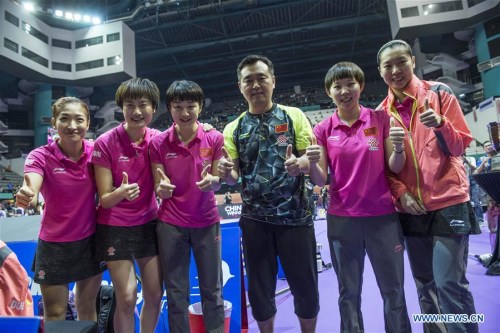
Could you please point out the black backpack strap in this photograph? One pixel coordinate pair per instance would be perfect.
(236, 135)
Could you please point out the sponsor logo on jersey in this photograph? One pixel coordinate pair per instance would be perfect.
(58, 170)
(334, 138)
(123, 159)
(373, 144)
(171, 155)
(282, 140)
(96, 153)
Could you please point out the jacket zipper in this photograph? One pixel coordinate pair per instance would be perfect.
(395, 113)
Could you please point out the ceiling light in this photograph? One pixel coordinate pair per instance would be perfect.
(68, 16)
(77, 17)
(29, 6)
(96, 20)
(58, 13)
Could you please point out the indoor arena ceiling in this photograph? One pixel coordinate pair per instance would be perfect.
(204, 40)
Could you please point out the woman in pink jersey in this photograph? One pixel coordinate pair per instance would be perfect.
(184, 162)
(126, 230)
(61, 171)
(357, 145)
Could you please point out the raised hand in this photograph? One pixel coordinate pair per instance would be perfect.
(207, 180)
(207, 127)
(313, 152)
(25, 194)
(292, 165)
(429, 117)
(129, 191)
(397, 136)
(226, 164)
(412, 205)
(164, 189)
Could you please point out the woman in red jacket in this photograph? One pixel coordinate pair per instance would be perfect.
(431, 191)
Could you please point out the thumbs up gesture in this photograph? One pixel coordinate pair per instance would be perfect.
(292, 165)
(25, 194)
(164, 189)
(129, 191)
(225, 165)
(313, 152)
(208, 181)
(429, 117)
(397, 136)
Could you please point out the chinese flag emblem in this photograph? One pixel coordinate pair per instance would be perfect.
(206, 152)
(281, 128)
(370, 131)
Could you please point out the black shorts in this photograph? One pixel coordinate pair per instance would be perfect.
(296, 248)
(58, 263)
(457, 219)
(126, 243)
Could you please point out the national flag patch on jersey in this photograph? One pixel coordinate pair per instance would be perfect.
(206, 152)
(281, 128)
(370, 131)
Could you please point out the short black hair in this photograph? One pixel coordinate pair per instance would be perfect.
(252, 59)
(344, 70)
(184, 90)
(137, 88)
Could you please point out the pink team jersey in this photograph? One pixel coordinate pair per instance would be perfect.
(115, 151)
(356, 159)
(188, 207)
(69, 192)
